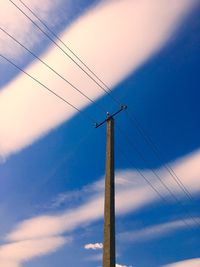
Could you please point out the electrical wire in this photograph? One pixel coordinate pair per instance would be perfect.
(55, 43)
(68, 48)
(64, 100)
(154, 172)
(48, 89)
(107, 90)
(157, 154)
(53, 70)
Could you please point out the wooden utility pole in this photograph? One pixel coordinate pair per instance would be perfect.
(109, 206)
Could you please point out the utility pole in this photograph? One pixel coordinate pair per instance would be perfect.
(109, 202)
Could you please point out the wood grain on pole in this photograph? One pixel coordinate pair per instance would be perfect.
(109, 206)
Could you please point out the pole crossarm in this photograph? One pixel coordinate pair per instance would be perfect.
(109, 116)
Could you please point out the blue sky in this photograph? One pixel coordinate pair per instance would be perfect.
(53, 159)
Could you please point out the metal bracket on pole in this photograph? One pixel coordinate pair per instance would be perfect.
(109, 116)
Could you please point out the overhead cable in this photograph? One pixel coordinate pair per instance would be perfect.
(107, 90)
(48, 89)
(52, 69)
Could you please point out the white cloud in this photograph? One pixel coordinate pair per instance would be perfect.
(44, 227)
(25, 250)
(19, 26)
(139, 29)
(16, 253)
(88, 212)
(186, 263)
(94, 246)
(187, 170)
(158, 231)
(8, 263)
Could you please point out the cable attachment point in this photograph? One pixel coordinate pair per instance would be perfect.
(107, 115)
(110, 116)
(124, 107)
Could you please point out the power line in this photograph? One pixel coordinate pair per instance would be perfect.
(48, 89)
(53, 70)
(129, 141)
(107, 90)
(148, 140)
(68, 48)
(74, 61)
(144, 177)
(64, 100)
(157, 191)
(127, 138)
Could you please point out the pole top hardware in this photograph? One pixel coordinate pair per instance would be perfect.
(110, 116)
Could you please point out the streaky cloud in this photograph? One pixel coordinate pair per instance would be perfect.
(158, 231)
(130, 33)
(186, 263)
(43, 226)
(16, 253)
(16, 24)
(55, 225)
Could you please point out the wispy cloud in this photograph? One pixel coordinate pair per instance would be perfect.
(158, 231)
(43, 226)
(143, 27)
(19, 26)
(16, 253)
(186, 263)
(53, 226)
